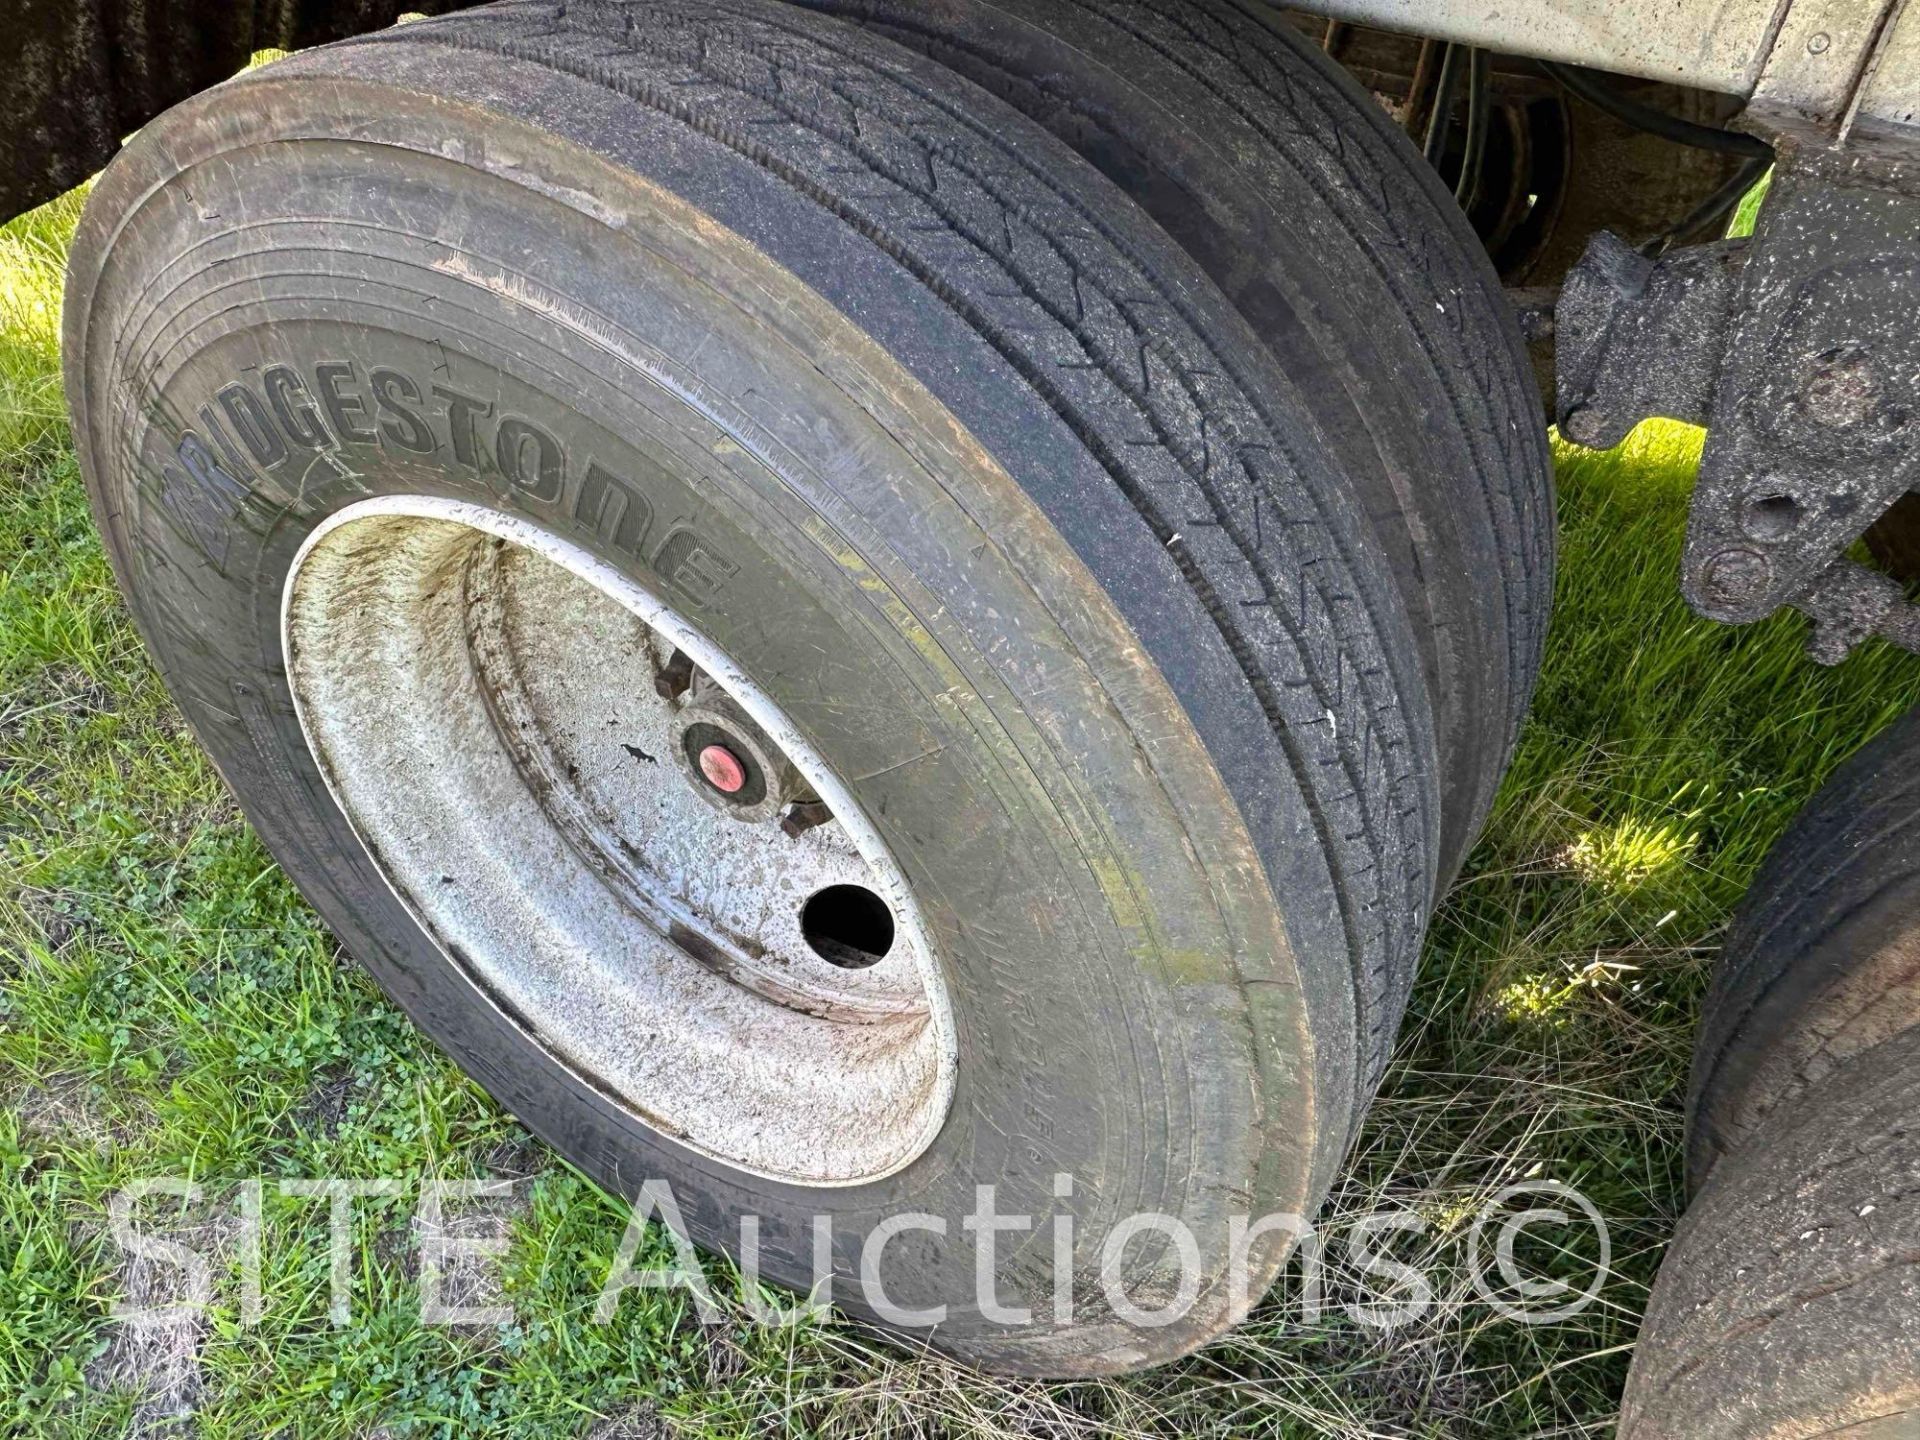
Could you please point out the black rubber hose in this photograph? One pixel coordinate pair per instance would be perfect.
(1443, 91)
(1713, 208)
(1597, 93)
(1479, 109)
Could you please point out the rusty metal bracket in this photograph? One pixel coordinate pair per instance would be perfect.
(1639, 337)
(1800, 353)
(1814, 427)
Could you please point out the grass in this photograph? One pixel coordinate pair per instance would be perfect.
(168, 1006)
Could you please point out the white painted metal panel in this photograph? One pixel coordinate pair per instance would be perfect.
(1713, 44)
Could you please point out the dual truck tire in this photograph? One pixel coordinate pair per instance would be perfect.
(1061, 482)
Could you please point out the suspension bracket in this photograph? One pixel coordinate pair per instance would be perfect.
(1799, 352)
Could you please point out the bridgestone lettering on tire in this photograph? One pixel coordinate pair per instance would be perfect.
(795, 630)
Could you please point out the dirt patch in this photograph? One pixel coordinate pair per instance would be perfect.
(461, 1251)
(640, 1423)
(65, 689)
(325, 1105)
(155, 1351)
(67, 1111)
(518, 1158)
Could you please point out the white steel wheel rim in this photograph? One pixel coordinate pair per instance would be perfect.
(479, 696)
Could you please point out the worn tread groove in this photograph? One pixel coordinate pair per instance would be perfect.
(1245, 82)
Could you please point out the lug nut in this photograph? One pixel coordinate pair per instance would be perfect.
(723, 769)
(802, 816)
(674, 680)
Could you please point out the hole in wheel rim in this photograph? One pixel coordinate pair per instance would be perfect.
(848, 926)
(475, 694)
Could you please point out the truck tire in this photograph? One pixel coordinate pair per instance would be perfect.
(1789, 1302)
(792, 629)
(1305, 204)
(1823, 957)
